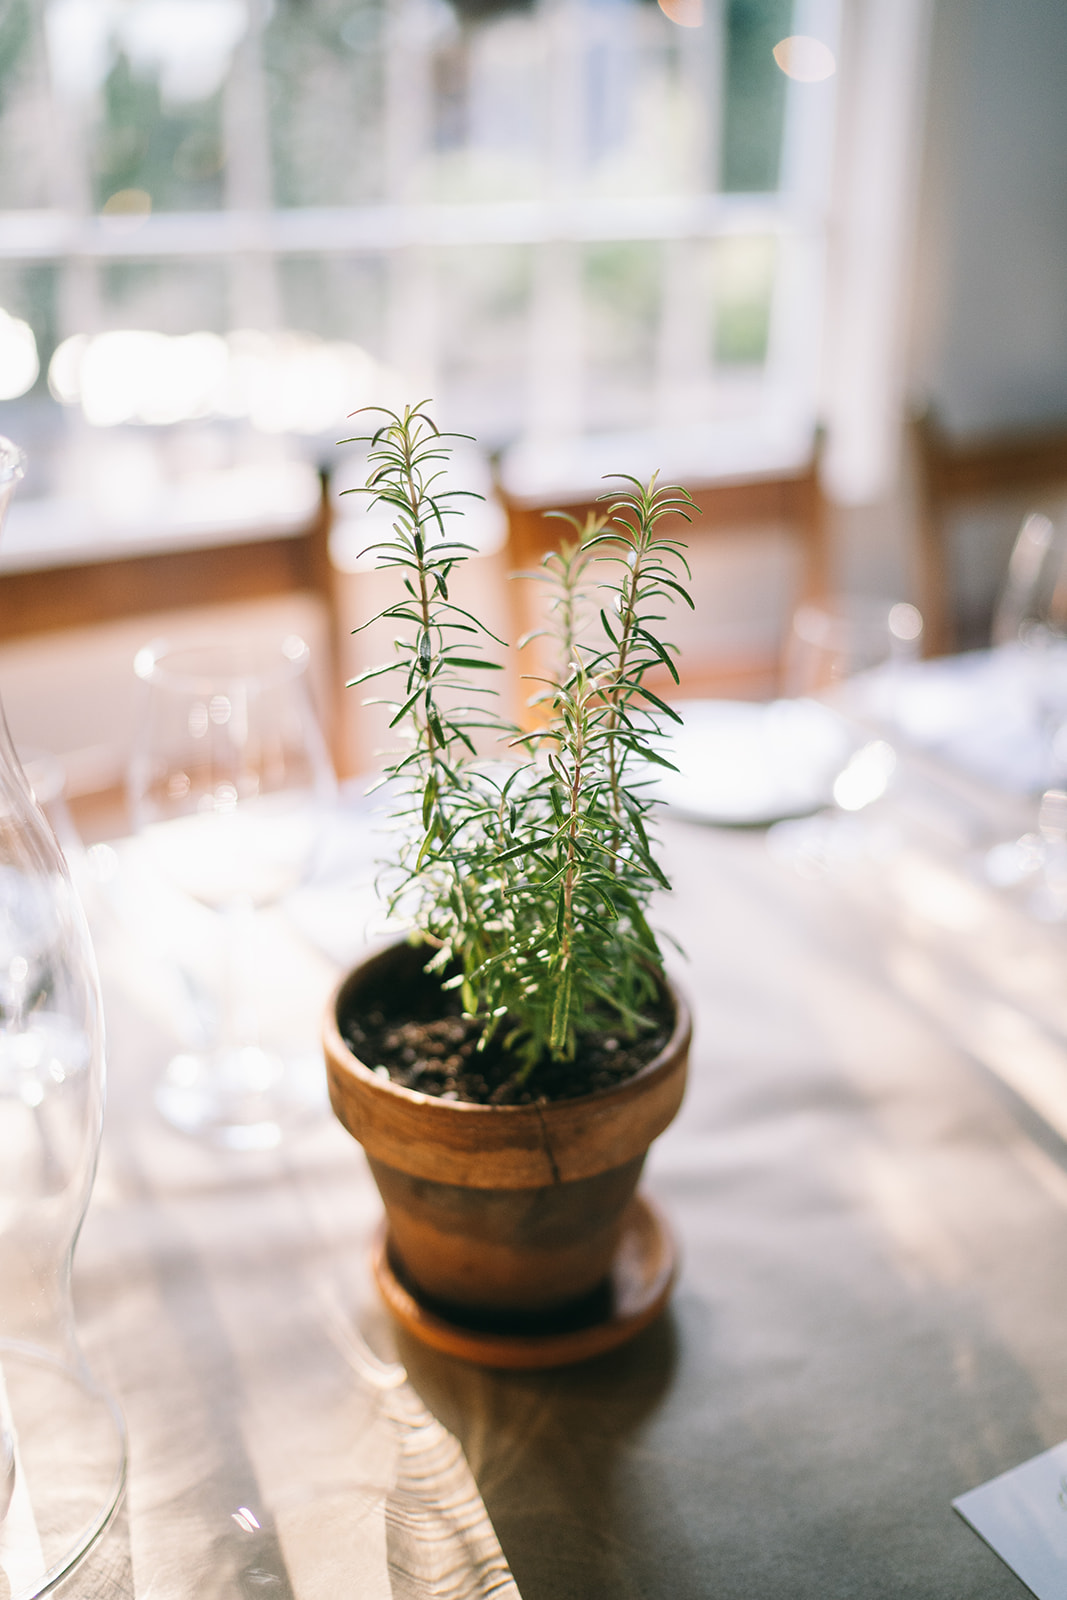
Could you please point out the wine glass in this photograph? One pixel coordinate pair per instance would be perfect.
(1033, 602)
(830, 645)
(227, 787)
(849, 653)
(1030, 634)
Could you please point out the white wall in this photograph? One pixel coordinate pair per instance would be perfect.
(990, 325)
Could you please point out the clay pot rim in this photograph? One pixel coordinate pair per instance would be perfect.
(666, 1059)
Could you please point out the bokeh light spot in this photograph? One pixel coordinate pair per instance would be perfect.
(19, 365)
(686, 13)
(805, 59)
(127, 203)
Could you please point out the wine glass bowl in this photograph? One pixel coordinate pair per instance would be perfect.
(227, 781)
(228, 768)
(1032, 605)
(848, 653)
(833, 643)
(1030, 633)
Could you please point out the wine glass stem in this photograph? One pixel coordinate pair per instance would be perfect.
(240, 1014)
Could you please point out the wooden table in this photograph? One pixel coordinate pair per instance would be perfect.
(869, 1184)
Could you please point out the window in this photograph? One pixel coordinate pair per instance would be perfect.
(561, 219)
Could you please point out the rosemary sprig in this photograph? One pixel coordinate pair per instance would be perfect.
(529, 875)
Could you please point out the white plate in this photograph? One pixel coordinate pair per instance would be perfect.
(744, 764)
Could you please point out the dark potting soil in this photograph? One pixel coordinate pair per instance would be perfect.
(417, 1033)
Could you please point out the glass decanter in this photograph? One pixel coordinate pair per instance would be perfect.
(62, 1438)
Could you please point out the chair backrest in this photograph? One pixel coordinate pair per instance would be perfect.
(785, 501)
(150, 576)
(961, 474)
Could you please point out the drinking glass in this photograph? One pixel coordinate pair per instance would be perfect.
(1032, 605)
(830, 645)
(62, 1438)
(1030, 629)
(848, 653)
(227, 787)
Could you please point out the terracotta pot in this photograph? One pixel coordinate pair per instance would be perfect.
(500, 1210)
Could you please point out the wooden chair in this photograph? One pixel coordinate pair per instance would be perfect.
(1028, 469)
(73, 595)
(787, 499)
(228, 568)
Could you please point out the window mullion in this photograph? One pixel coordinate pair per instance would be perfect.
(792, 362)
(255, 300)
(686, 335)
(412, 322)
(78, 308)
(556, 370)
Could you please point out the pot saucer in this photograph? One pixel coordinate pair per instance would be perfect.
(639, 1285)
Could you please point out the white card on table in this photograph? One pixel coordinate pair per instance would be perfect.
(1023, 1516)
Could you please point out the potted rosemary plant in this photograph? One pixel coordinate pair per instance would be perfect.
(508, 1066)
